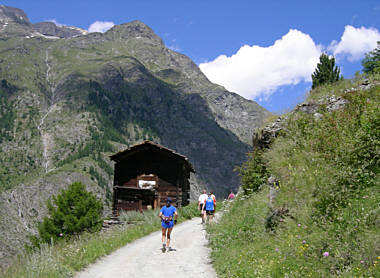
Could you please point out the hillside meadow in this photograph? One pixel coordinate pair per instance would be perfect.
(325, 218)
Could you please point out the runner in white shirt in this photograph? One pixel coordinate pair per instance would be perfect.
(201, 203)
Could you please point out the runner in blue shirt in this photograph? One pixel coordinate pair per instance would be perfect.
(167, 214)
(210, 207)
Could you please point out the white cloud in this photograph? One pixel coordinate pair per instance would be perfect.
(100, 26)
(355, 42)
(256, 72)
(174, 45)
(56, 22)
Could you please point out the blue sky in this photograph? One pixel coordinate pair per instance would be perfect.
(263, 50)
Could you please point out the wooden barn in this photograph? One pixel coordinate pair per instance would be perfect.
(146, 174)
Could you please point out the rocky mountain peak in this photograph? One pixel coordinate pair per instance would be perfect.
(134, 29)
(51, 29)
(14, 15)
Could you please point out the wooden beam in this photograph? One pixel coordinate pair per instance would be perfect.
(177, 187)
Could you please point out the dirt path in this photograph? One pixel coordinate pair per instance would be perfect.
(144, 258)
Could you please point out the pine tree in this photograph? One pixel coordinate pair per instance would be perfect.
(326, 71)
(371, 62)
(74, 210)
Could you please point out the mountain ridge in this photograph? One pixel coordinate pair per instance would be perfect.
(66, 104)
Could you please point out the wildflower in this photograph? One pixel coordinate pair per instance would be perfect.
(362, 262)
(277, 249)
(299, 225)
(325, 254)
(61, 235)
(304, 242)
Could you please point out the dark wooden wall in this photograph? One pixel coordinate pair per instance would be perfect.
(147, 163)
(171, 173)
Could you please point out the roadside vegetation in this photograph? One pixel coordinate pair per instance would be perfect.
(325, 218)
(65, 257)
(72, 212)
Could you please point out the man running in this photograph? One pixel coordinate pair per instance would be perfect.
(210, 207)
(201, 202)
(167, 214)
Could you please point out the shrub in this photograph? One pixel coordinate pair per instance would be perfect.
(73, 211)
(253, 172)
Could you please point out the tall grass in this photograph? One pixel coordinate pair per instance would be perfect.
(325, 220)
(64, 258)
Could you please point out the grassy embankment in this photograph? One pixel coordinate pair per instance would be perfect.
(325, 219)
(64, 258)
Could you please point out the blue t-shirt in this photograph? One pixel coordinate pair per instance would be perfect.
(168, 211)
(210, 203)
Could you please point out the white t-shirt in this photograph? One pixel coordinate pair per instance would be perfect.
(202, 199)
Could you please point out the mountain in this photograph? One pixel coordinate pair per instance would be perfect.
(50, 29)
(16, 23)
(69, 99)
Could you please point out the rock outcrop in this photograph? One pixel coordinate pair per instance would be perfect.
(10, 14)
(50, 29)
(264, 137)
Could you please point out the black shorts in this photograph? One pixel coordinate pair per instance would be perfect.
(210, 212)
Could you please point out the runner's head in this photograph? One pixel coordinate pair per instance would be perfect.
(204, 191)
(168, 201)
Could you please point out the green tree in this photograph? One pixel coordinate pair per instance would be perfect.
(326, 71)
(371, 62)
(73, 211)
(253, 172)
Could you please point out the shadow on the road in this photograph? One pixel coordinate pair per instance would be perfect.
(164, 250)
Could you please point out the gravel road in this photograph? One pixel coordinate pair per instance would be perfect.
(144, 257)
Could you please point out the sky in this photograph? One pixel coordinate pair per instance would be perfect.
(265, 51)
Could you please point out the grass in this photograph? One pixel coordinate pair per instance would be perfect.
(325, 219)
(65, 258)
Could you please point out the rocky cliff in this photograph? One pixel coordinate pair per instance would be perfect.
(69, 99)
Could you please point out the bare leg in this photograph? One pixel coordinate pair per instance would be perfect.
(168, 237)
(163, 239)
(202, 216)
(211, 217)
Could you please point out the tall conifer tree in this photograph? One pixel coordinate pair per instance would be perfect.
(371, 62)
(326, 71)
